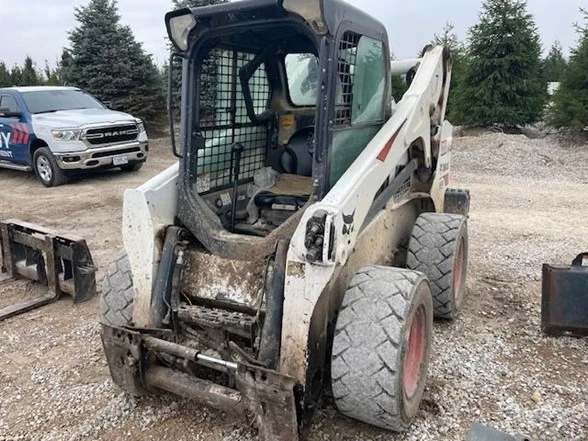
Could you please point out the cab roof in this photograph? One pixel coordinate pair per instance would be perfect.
(335, 12)
(38, 88)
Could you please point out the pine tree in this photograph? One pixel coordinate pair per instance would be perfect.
(179, 4)
(65, 66)
(503, 84)
(52, 75)
(554, 64)
(106, 60)
(570, 102)
(29, 73)
(459, 59)
(5, 79)
(16, 76)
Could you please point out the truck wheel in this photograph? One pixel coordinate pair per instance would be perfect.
(116, 302)
(438, 247)
(132, 167)
(381, 347)
(46, 168)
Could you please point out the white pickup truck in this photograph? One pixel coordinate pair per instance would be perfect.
(59, 131)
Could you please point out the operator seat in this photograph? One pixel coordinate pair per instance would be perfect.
(297, 156)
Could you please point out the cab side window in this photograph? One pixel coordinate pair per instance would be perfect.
(359, 105)
(8, 104)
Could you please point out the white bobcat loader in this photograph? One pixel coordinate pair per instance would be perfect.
(307, 236)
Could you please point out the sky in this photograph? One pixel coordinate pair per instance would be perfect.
(39, 28)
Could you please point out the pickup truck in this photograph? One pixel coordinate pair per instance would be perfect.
(60, 131)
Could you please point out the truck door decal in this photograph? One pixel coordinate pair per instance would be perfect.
(20, 133)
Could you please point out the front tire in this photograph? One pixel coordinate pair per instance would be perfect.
(46, 168)
(116, 301)
(381, 347)
(438, 248)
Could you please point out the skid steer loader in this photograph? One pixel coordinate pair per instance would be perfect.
(306, 237)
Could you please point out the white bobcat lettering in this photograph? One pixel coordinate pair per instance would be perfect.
(5, 139)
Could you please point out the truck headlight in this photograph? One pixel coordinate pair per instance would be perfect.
(66, 135)
(179, 25)
(141, 127)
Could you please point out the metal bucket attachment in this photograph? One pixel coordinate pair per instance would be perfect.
(479, 432)
(62, 263)
(564, 305)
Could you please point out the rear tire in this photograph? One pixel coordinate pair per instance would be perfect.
(438, 248)
(116, 302)
(46, 168)
(381, 347)
(132, 167)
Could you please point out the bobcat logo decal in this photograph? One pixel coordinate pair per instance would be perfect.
(348, 220)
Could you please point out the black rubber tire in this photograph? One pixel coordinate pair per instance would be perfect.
(57, 176)
(370, 344)
(135, 166)
(433, 250)
(116, 302)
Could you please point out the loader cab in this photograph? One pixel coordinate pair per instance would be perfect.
(277, 103)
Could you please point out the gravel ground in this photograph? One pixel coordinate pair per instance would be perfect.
(493, 366)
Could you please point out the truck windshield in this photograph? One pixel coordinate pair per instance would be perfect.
(45, 101)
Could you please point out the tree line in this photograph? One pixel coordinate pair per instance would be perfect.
(500, 79)
(499, 76)
(104, 58)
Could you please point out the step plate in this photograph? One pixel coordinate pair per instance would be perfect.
(236, 323)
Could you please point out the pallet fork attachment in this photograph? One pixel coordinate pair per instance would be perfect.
(62, 263)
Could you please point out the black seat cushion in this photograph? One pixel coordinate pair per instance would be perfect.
(297, 156)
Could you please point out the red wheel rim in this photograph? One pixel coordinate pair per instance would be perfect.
(415, 352)
(458, 273)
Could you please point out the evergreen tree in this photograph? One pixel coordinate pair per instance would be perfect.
(459, 59)
(179, 4)
(5, 79)
(29, 73)
(554, 64)
(502, 83)
(16, 76)
(52, 75)
(399, 86)
(570, 102)
(65, 66)
(106, 60)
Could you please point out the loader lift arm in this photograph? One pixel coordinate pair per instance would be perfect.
(347, 205)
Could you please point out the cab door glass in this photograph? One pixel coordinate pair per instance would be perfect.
(369, 82)
(359, 104)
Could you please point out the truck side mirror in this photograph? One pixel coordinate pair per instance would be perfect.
(9, 114)
(107, 104)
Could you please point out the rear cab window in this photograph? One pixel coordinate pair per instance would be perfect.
(302, 72)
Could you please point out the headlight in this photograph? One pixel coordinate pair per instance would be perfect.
(310, 10)
(141, 127)
(179, 25)
(66, 135)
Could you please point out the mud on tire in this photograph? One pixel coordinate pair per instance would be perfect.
(438, 248)
(116, 302)
(379, 362)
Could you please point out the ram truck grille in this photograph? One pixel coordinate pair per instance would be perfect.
(112, 135)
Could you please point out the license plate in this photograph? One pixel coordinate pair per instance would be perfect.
(120, 160)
